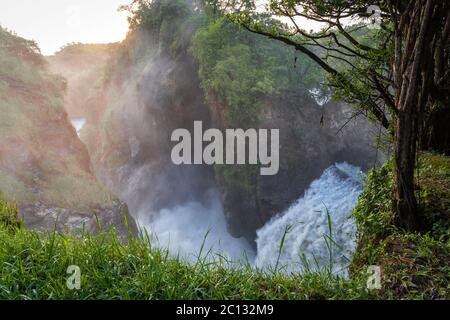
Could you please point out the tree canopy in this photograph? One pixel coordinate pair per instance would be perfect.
(396, 69)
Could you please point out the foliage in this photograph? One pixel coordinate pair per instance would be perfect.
(27, 50)
(353, 56)
(373, 211)
(169, 24)
(21, 62)
(241, 70)
(414, 265)
(9, 216)
(433, 176)
(393, 79)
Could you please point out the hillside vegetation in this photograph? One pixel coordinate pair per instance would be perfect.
(413, 265)
(44, 166)
(82, 66)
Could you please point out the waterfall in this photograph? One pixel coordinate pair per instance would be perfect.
(182, 228)
(305, 225)
(78, 124)
(188, 228)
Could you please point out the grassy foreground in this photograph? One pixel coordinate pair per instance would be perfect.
(33, 264)
(413, 265)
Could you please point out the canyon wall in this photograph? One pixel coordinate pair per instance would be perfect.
(157, 80)
(44, 166)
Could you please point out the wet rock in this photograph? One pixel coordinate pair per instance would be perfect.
(102, 218)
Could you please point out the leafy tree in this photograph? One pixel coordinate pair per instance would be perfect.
(398, 75)
(21, 48)
(240, 70)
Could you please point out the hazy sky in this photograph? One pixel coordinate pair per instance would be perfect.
(53, 23)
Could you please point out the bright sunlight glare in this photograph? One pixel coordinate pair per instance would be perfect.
(53, 23)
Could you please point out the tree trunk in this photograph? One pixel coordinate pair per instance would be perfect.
(436, 134)
(422, 88)
(413, 37)
(404, 200)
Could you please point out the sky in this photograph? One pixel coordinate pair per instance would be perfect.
(53, 23)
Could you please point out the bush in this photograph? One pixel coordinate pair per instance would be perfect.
(413, 265)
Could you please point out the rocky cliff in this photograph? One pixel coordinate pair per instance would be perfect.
(173, 71)
(312, 138)
(44, 166)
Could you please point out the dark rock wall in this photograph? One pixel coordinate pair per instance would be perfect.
(156, 91)
(312, 138)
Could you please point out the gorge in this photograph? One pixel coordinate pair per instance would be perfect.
(156, 82)
(126, 99)
(224, 150)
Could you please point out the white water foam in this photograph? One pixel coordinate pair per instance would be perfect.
(182, 228)
(336, 190)
(78, 124)
(185, 228)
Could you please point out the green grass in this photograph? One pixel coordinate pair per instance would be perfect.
(9, 217)
(34, 266)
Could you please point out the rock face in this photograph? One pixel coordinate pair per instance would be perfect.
(153, 96)
(43, 164)
(151, 91)
(100, 218)
(312, 138)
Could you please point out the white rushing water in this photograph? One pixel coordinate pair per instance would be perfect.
(185, 228)
(182, 228)
(308, 229)
(78, 124)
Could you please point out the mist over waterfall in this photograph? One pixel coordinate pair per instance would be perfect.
(186, 209)
(199, 225)
(159, 80)
(305, 225)
(194, 229)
